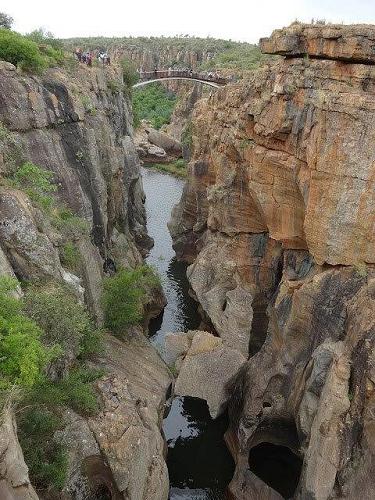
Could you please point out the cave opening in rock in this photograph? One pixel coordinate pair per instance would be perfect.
(259, 325)
(102, 492)
(277, 466)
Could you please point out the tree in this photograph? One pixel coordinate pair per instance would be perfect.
(6, 21)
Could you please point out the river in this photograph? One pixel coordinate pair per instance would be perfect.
(200, 466)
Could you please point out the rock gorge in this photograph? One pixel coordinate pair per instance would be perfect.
(77, 124)
(277, 220)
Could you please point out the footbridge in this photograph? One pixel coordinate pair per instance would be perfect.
(211, 79)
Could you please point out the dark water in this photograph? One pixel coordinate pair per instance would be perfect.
(199, 464)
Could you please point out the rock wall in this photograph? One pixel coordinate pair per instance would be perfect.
(277, 220)
(77, 124)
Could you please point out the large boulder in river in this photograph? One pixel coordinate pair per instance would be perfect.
(164, 141)
(206, 369)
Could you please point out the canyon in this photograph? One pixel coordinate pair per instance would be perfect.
(277, 225)
(277, 221)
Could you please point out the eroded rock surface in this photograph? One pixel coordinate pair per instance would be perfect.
(14, 477)
(75, 125)
(205, 368)
(277, 220)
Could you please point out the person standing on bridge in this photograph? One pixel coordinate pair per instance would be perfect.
(156, 71)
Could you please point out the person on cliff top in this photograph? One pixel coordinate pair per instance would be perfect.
(78, 54)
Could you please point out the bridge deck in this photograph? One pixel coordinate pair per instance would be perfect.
(205, 78)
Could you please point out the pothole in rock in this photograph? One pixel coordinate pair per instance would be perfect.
(277, 466)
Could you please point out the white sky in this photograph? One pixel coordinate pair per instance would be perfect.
(245, 20)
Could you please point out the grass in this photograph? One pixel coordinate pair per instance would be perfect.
(47, 460)
(176, 168)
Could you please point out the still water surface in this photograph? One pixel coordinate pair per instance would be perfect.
(199, 464)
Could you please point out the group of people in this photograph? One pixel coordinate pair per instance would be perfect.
(88, 56)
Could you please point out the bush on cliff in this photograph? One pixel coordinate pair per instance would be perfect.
(47, 460)
(36, 182)
(32, 53)
(20, 51)
(129, 73)
(124, 295)
(63, 320)
(22, 353)
(154, 104)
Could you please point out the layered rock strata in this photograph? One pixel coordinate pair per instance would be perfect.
(77, 125)
(277, 219)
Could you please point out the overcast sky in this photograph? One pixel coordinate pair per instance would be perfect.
(245, 20)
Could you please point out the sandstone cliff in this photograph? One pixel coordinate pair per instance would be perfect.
(277, 219)
(77, 125)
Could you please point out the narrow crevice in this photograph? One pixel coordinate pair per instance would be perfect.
(259, 325)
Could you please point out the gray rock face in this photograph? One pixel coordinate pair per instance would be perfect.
(14, 477)
(162, 140)
(127, 429)
(81, 131)
(206, 368)
(121, 448)
(77, 128)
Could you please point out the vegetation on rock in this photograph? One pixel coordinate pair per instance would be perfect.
(22, 353)
(177, 167)
(47, 460)
(36, 332)
(63, 320)
(153, 103)
(124, 295)
(129, 73)
(24, 52)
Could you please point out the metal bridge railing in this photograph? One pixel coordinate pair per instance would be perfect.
(173, 73)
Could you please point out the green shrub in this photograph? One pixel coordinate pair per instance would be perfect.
(43, 38)
(187, 134)
(21, 51)
(154, 104)
(242, 56)
(114, 86)
(129, 73)
(47, 460)
(74, 391)
(88, 105)
(23, 356)
(124, 295)
(64, 321)
(37, 183)
(176, 168)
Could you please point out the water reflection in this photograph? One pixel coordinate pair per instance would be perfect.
(198, 459)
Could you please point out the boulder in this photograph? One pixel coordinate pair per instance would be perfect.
(164, 141)
(207, 368)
